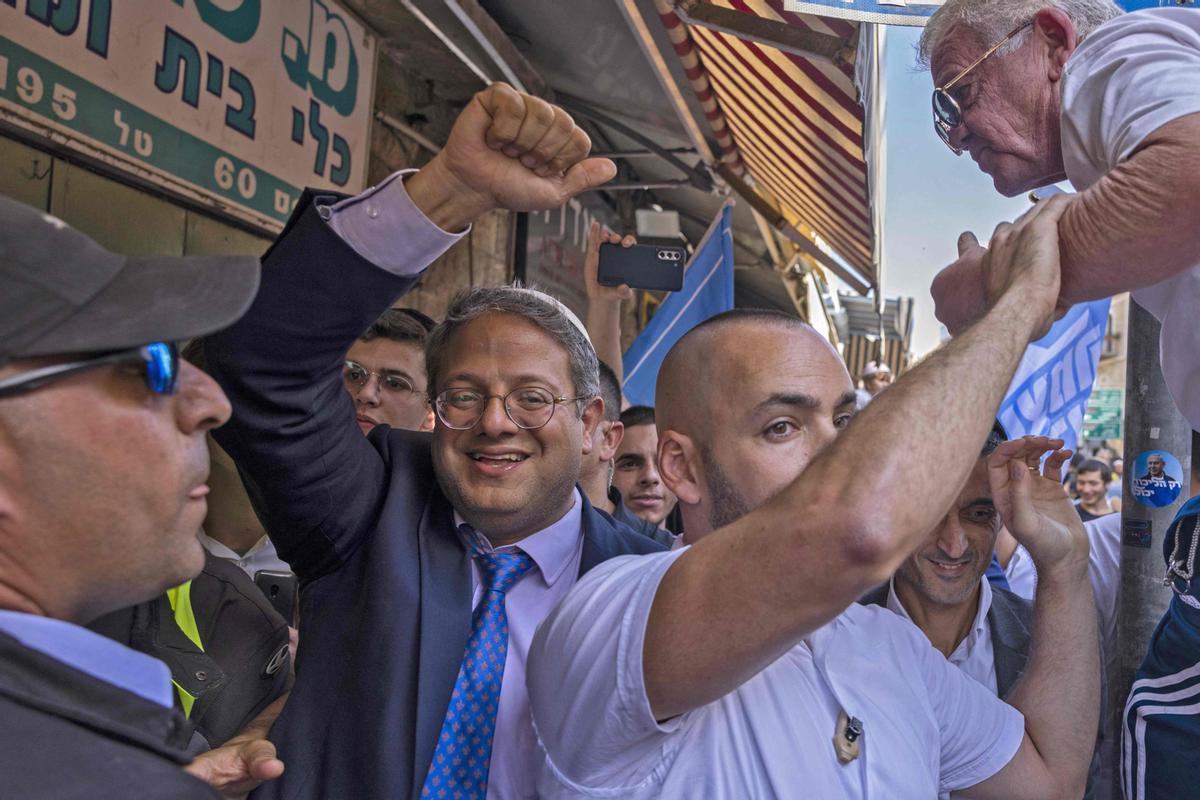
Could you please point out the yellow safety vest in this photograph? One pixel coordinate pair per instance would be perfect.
(181, 604)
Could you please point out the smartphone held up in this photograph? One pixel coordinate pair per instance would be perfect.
(643, 266)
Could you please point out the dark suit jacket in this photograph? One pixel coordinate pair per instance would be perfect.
(1010, 620)
(385, 602)
(66, 735)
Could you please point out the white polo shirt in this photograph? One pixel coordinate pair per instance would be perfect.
(974, 654)
(1127, 79)
(928, 727)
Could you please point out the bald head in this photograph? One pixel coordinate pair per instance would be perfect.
(707, 365)
(744, 402)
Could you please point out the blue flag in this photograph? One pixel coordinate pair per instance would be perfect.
(707, 291)
(1049, 392)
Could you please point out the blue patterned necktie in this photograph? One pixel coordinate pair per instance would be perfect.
(464, 749)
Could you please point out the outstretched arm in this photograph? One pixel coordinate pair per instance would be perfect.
(740, 598)
(316, 482)
(1133, 228)
(237, 767)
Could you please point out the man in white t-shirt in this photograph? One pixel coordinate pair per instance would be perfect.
(1109, 102)
(739, 666)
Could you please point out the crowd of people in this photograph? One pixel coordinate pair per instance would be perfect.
(335, 548)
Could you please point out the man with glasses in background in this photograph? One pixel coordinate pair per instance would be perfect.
(1039, 93)
(385, 372)
(426, 562)
(103, 470)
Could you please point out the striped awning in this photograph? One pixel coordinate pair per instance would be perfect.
(795, 123)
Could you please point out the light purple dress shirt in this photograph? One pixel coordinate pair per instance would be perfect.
(92, 654)
(556, 551)
(382, 223)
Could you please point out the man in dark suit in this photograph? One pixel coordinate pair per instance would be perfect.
(426, 562)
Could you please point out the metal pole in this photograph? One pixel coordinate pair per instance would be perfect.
(1152, 422)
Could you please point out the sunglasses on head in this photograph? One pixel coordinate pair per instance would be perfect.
(160, 362)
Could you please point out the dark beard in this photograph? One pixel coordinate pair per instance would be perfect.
(727, 505)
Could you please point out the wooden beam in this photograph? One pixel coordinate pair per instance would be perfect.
(808, 44)
(484, 29)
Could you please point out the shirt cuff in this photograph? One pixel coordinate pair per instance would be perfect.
(384, 226)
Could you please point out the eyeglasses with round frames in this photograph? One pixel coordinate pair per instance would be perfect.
(947, 113)
(356, 374)
(159, 361)
(529, 407)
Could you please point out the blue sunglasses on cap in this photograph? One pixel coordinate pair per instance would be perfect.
(160, 361)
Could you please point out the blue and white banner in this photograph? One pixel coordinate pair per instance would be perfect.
(1049, 392)
(707, 291)
(882, 12)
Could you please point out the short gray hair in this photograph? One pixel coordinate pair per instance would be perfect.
(992, 19)
(470, 304)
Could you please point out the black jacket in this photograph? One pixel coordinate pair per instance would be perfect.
(244, 665)
(65, 735)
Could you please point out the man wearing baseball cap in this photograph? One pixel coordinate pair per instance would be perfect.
(103, 466)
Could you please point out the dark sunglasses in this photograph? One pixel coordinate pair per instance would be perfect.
(947, 113)
(160, 361)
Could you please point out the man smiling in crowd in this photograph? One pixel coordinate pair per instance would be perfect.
(426, 562)
(636, 475)
(385, 372)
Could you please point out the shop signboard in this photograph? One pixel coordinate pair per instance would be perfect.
(1104, 414)
(238, 104)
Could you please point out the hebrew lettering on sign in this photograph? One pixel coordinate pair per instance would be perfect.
(339, 173)
(323, 62)
(181, 63)
(63, 17)
(237, 24)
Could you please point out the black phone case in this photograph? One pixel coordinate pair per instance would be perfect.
(643, 266)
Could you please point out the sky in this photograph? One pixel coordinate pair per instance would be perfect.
(931, 195)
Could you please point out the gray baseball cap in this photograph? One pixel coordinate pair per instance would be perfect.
(61, 292)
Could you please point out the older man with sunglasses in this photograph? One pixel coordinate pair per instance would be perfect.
(426, 562)
(103, 466)
(1040, 92)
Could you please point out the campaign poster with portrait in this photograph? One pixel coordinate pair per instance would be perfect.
(1156, 479)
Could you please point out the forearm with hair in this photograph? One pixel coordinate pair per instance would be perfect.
(934, 417)
(738, 600)
(1059, 692)
(1137, 225)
